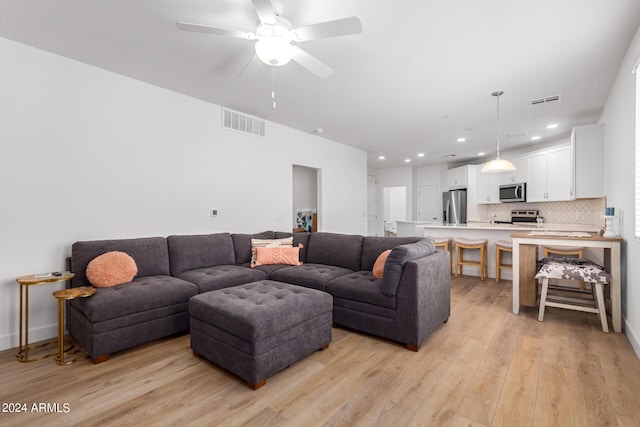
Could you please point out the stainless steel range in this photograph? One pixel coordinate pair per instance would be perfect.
(525, 217)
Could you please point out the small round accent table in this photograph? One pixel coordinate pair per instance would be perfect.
(62, 296)
(26, 282)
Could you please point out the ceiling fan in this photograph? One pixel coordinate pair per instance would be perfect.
(274, 37)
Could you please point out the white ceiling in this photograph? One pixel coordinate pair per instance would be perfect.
(418, 77)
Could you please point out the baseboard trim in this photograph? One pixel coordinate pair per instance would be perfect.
(631, 336)
(38, 334)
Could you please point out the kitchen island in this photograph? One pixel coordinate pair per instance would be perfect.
(493, 233)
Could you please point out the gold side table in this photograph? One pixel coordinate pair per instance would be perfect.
(62, 296)
(25, 282)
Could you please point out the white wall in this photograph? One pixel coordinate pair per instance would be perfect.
(89, 154)
(619, 136)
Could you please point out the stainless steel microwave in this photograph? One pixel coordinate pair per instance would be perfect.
(513, 192)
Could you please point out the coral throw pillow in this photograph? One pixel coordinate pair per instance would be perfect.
(378, 267)
(289, 256)
(287, 242)
(111, 269)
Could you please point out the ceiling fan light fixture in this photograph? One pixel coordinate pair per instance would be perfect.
(498, 164)
(273, 51)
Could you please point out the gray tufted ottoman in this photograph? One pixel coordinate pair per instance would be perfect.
(258, 329)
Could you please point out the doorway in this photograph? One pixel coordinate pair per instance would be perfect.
(306, 198)
(395, 208)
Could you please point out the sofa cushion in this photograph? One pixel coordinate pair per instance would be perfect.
(339, 250)
(150, 253)
(398, 258)
(191, 252)
(111, 269)
(221, 276)
(360, 286)
(373, 246)
(267, 269)
(314, 276)
(142, 294)
(242, 244)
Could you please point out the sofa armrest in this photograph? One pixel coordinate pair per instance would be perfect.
(424, 295)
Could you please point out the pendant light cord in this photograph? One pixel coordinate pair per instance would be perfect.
(497, 94)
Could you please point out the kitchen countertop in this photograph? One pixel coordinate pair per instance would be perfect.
(512, 227)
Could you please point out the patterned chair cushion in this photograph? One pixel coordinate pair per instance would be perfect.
(572, 269)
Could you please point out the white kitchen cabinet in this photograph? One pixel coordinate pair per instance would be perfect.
(457, 177)
(519, 175)
(588, 147)
(488, 187)
(550, 175)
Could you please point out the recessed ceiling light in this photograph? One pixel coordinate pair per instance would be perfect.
(420, 154)
(407, 160)
(381, 157)
(535, 138)
(461, 139)
(552, 126)
(481, 154)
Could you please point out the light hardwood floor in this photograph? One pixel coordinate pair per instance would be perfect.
(485, 367)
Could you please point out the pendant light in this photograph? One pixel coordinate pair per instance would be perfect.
(498, 165)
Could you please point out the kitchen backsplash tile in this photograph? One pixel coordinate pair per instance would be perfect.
(585, 211)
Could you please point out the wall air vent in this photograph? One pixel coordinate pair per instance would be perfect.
(548, 99)
(239, 122)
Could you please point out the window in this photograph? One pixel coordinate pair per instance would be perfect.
(637, 72)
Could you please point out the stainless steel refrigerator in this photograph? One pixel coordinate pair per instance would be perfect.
(454, 206)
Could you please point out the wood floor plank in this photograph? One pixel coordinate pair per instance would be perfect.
(554, 402)
(518, 397)
(485, 367)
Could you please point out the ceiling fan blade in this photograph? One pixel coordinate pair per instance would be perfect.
(311, 63)
(251, 68)
(264, 10)
(198, 28)
(339, 27)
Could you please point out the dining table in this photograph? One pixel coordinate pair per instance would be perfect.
(525, 256)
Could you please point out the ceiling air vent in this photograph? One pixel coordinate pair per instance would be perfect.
(233, 120)
(538, 101)
(449, 155)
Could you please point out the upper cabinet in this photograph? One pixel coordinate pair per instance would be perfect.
(550, 175)
(457, 177)
(488, 190)
(517, 176)
(588, 146)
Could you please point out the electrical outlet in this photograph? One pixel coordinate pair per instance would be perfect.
(213, 212)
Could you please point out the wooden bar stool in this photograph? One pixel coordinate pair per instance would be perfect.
(502, 246)
(573, 269)
(447, 244)
(480, 244)
(564, 251)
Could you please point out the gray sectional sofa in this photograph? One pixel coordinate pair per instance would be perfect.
(406, 305)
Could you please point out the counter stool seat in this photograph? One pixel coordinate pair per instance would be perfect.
(573, 269)
(445, 243)
(549, 250)
(481, 245)
(502, 246)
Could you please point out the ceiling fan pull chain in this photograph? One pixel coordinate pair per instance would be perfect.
(273, 86)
